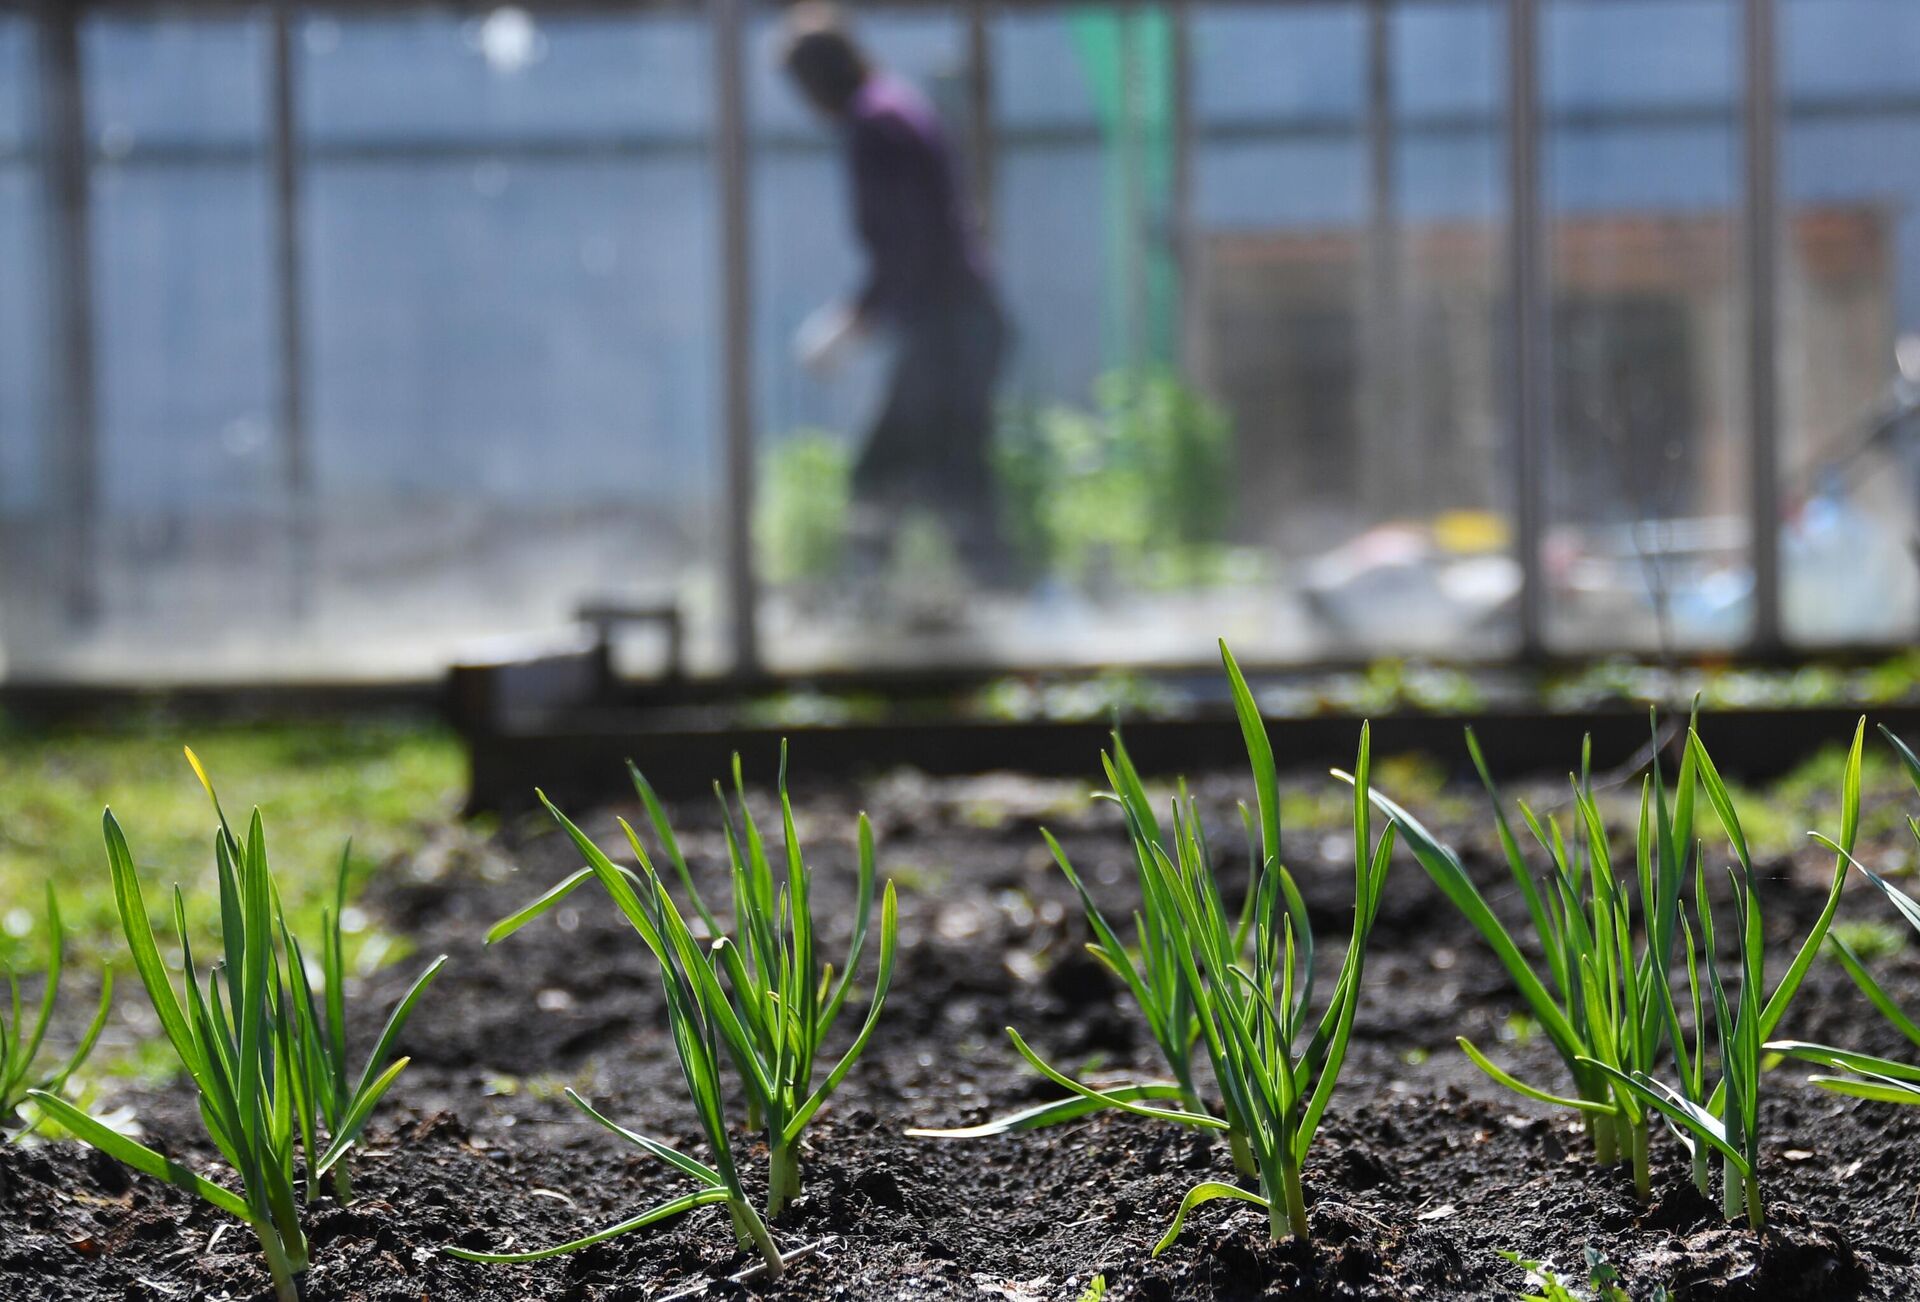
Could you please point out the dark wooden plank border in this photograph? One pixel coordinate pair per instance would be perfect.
(582, 759)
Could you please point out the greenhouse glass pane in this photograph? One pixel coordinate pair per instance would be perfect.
(22, 341)
(1850, 320)
(1439, 456)
(26, 601)
(174, 82)
(1278, 270)
(1647, 540)
(21, 335)
(1348, 288)
(192, 580)
(17, 99)
(502, 75)
(512, 296)
(1308, 341)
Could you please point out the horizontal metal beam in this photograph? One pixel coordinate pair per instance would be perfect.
(688, 8)
(1305, 129)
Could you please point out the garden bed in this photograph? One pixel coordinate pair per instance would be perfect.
(1424, 1173)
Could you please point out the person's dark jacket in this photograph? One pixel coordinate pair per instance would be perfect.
(908, 206)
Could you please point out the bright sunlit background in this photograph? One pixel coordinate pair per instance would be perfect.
(334, 338)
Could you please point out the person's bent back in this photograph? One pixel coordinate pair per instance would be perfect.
(926, 285)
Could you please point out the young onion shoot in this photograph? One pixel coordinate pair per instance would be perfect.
(1864, 1075)
(1596, 995)
(1241, 986)
(1727, 1121)
(1602, 990)
(763, 1001)
(329, 1096)
(20, 1043)
(245, 1038)
(224, 1035)
(694, 1021)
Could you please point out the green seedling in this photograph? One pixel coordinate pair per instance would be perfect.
(238, 1036)
(1253, 1024)
(1690, 1067)
(1603, 1283)
(327, 1092)
(765, 997)
(1244, 985)
(1597, 995)
(21, 1072)
(1728, 1121)
(313, 1036)
(703, 1018)
(1150, 968)
(1602, 992)
(225, 1038)
(694, 1014)
(1864, 1075)
(787, 998)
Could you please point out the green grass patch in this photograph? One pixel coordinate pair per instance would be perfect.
(385, 784)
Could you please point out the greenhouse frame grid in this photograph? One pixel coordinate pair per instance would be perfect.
(64, 160)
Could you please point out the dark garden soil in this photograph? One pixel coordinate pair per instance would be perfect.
(1423, 1172)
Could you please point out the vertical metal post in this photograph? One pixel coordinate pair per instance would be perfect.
(1763, 386)
(1181, 236)
(1398, 468)
(1131, 140)
(1526, 291)
(980, 139)
(736, 322)
(296, 452)
(74, 417)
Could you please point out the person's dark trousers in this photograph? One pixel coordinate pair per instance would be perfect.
(931, 447)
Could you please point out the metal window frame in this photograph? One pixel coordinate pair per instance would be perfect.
(1529, 357)
(1761, 234)
(1530, 315)
(731, 150)
(67, 229)
(65, 162)
(296, 457)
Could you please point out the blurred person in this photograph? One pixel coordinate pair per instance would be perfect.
(927, 289)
